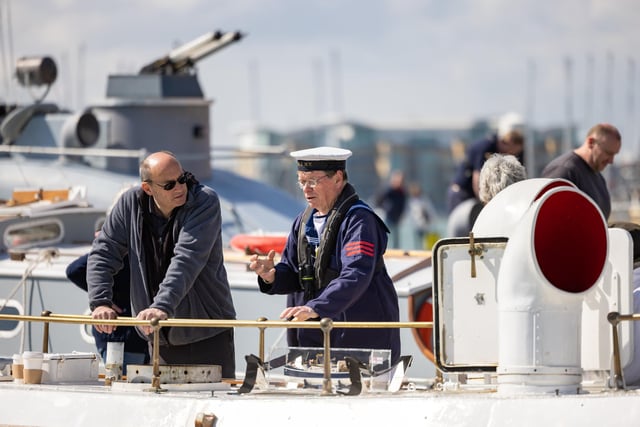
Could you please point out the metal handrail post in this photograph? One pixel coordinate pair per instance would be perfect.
(614, 319)
(45, 333)
(326, 325)
(261, 331)
(155, 380)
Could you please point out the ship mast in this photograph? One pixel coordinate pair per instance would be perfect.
(6, 47)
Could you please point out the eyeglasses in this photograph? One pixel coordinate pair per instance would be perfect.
(170, 185)
(311, 183)
(609, 153)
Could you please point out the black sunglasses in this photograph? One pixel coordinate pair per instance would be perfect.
(170, 185)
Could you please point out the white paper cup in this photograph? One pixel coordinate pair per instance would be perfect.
(32, 362)
(17, 368)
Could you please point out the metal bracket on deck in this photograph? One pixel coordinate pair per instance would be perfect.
(474, 251)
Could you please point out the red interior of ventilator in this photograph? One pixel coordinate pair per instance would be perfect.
(570, 241)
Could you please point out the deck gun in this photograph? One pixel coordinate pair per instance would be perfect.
(182, 59)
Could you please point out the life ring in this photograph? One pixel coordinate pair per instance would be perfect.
(425, 314)
(259, 244)
(421, 310)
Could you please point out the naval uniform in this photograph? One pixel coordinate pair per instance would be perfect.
(362, 290)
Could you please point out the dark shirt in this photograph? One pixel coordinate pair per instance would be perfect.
(573, 168)
(157, 240)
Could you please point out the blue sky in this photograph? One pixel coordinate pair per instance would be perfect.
(388, 61)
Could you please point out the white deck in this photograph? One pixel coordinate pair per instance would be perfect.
(97, 406)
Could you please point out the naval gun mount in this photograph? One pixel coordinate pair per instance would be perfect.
(162, 107)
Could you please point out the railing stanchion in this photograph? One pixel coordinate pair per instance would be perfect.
(261, 330)
(155, 380)
(326, 325)
(45, 333)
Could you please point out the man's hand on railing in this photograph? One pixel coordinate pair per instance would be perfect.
(299, 313)
(104, 312)
(148, 314)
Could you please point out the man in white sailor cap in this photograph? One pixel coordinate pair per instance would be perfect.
(509, 139)
(332, 265)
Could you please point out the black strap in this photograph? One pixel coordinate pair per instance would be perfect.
(251, 374)
(354, 366)
(347, 198)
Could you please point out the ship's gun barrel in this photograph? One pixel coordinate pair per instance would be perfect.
(182, 59)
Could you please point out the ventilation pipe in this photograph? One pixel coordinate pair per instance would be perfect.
(556, 253)
(500, 216)
(80, 130)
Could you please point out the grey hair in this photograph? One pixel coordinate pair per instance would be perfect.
(498, 172)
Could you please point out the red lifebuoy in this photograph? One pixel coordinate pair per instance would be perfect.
(421, 310)
(259, 244)
(425, 314)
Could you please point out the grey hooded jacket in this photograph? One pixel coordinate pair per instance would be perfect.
(195, 285)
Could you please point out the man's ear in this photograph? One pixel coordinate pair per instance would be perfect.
(146, 187)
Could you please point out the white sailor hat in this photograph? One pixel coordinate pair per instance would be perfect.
(321, 158)
(510, 122)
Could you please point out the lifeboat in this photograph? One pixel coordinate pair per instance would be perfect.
(260, 244)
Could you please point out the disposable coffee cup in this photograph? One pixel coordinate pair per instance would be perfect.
(17, 368)
(115, 360)
(32, 363)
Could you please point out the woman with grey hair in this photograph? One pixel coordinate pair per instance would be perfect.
(498, 172)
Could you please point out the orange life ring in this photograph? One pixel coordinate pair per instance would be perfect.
(259, 244)
(425, 314)
(421, 310)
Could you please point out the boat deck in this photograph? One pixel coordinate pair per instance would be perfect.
(98, 405)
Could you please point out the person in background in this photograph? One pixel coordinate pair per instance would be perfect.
(135, 347)
(631, 372)
(332, 265)
(498, 172)
(584, 165)
(170, 229)
(394, 201)
(509, 139)
(421, 214)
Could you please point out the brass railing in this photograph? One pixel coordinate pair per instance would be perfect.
(326, 325)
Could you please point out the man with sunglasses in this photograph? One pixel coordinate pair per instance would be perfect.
(584, 165)
(332, 265)
(170, 228)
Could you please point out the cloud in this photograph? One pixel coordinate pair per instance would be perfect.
(458, 59)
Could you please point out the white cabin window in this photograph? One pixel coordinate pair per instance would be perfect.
(33, 233)
(10, 328)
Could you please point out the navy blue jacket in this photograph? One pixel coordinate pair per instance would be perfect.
(363, 290)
